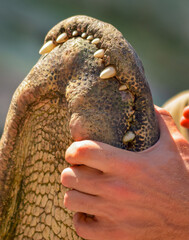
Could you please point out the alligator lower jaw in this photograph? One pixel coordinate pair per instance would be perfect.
(36, 194)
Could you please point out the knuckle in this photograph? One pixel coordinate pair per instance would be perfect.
(70, 152)
(80, 226)
(68, 200)
(76, 151)
(78, 229)
(82, 148)
(65, 178)
(68, 177)
(164, 113)
(77, 225)
(162, 110)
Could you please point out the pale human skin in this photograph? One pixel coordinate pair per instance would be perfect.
(133, 196)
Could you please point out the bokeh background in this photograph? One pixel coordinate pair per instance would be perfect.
(157, 29)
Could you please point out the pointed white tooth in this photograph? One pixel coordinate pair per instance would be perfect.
(108, 72)
(84, 35)
(47, 47)
(122, 88)
(96, 41)
(75, 33)
(129, 136)
(61, 38)
(90, 37)
(99, 53)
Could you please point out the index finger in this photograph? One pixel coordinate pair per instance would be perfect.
(97, 155)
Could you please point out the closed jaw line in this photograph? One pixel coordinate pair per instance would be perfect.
(107, 73)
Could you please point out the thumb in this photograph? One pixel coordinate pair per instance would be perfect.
(166, 124)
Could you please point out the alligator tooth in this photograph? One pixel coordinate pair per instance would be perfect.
(108, 72)
(84, 35)
(128, 137)
(99, 53)
(122, 88)
(61, 38)
(90, 37)
(75, 33)
(47, 47)
(96, 41)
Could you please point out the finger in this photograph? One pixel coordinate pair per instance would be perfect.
(101, 156)
(88, 180)
(184, 122)
(83, 179)
(81, 202)
(85, 226)
(186, 112)
(93, 228)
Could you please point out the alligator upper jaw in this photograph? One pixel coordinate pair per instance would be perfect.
(120, 63)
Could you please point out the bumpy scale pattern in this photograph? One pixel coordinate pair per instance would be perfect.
(41, 213)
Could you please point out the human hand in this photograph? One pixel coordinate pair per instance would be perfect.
(132, 196)
(184, 122)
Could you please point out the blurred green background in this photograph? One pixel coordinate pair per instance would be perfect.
(157, 29)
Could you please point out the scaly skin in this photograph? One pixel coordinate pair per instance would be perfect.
(63, 99)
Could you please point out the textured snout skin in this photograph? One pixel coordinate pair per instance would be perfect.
(88, 84)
